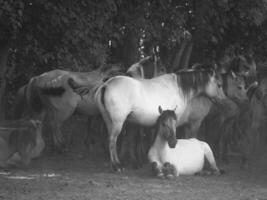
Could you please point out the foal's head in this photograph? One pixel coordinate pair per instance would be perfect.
(166, 126)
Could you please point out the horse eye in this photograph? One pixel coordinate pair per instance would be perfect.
(239, 87)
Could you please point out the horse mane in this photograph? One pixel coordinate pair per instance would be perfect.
(192, 80)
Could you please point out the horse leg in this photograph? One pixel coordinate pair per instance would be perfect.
(6, 153)
(114, 132)
(156, 169)
(25, 154)
(245, 147)
(123, 144)
(210, 158)
(169, 170)
(139, 152)
(59, 142)
(89, 139)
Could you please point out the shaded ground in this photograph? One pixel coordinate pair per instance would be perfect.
(79, 175)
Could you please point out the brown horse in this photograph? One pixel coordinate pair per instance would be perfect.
(231, 124)
(258, 104)
(50, 98)
(20, 137)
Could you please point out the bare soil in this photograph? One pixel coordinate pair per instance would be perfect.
(79, 175)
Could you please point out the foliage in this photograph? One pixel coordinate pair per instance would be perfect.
(230, 26)
(84, 34)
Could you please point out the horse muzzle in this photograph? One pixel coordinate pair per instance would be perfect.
(172, 142)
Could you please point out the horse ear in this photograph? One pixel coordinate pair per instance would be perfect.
(160, 110)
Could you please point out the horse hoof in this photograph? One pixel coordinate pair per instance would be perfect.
(117, 168)
(221, 171)
(160, 175)
(169, 176)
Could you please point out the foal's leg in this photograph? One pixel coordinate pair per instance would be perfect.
(157, 169)
(210, 158)
(169, 170)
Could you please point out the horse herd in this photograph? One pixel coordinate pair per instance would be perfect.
(222, 104)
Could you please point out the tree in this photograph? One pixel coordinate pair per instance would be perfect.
(37, 36)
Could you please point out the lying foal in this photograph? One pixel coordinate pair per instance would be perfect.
(20, 141)
(171, 157)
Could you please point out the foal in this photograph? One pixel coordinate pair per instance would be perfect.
(171, 157)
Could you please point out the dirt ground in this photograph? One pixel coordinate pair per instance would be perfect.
(79, 175)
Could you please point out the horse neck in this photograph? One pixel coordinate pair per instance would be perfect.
(187, 98)
(230, 107)
(160, 143)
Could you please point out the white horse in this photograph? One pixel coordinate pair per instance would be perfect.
(172, 157)
(137, 100)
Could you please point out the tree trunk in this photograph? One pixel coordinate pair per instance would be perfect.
(176, 64)
(187, 55)
(3, 68)
(127, 52)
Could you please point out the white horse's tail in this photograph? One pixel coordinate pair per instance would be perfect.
(100, 101)
(210, 158)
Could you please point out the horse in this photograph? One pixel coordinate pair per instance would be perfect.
(21, 137)
(258, 104)
(171, 157)
(199, 107)
(122, 98)
(49, 98)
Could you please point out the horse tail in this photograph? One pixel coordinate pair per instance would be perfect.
(100, 99)
(33, 97)
(20, 102)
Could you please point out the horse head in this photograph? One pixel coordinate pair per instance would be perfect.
(232, 81)
(241, 64)
(235, 87)
(214, 87)
(166, 126)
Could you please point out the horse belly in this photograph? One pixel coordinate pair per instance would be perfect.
(147, 111)
(87, 107)
(143, 118)
(189, 157)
